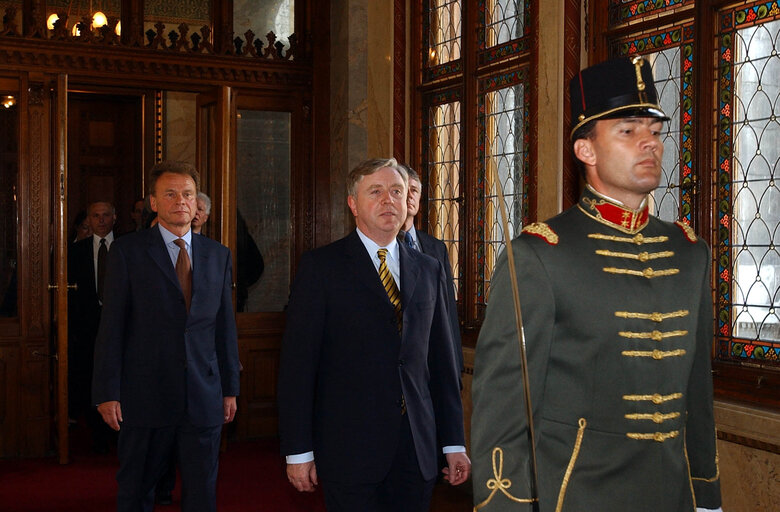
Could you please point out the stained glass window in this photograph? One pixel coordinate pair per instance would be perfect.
(474, 135)
(670, 56)
(444, 179)
(503, 169)
(748, 195)
(444, 26)
(504, 21)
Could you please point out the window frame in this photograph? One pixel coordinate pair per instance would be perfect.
(469, 75)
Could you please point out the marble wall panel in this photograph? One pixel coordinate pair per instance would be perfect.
(179, 136)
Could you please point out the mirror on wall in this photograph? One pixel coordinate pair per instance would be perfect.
(263, 205)
(9, 218)
(263, 16)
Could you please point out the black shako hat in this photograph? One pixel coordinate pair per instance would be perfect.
(622, 87)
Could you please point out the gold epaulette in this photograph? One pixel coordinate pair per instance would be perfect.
(689, 233)
(543, 231)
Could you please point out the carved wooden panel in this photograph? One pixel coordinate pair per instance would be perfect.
(9, 402)
(257, 412)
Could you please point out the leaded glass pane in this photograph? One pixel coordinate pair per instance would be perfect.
(444, 22)
(755, 195)
(444, 187)
(666, 70)
(504, 166)
(504, 21)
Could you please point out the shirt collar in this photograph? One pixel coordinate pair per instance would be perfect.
(169, 237)
(109, 239)
(372, 247)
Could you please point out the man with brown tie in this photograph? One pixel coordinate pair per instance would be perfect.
(368, 377)
(166, 357)
(86, 269)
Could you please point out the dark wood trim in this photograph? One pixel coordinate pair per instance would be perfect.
(747, 385)
(132, 14)
(222, 26)
(399, 80)
(749, 442)
(317, 119)
(145, 68)
(571, 66)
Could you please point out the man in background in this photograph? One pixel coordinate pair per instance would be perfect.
(432, 246)
(87, 260)
(202, 213)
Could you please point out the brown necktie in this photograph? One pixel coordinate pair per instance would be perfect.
(184, 272)
(389, 284)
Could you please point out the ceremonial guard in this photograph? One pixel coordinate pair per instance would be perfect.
(618, 323)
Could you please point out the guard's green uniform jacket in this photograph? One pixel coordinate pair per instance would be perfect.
(617, 313)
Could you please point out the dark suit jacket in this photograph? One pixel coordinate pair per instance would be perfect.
(432, 246)
(162, 364)
(83, 304)
(345, 367)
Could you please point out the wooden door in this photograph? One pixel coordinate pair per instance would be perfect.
(27, 348)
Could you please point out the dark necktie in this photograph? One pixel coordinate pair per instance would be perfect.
(409, 240)
(101, 268)
(389, 283)
(184, 272)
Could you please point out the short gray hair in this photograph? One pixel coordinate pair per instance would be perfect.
(206, 201)
(369, 167)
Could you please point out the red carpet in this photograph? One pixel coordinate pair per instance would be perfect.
(251, 479)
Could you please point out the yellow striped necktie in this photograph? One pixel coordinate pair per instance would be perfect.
(389, 283)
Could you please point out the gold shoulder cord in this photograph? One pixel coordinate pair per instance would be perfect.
(498, 483)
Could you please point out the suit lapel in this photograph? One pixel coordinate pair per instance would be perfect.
(410, 271)
(159, 254)
(200, 262)
(358, 258)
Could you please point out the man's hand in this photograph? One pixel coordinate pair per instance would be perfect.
(111, 412)
(303, 476)
(229, 406)
(458, 468)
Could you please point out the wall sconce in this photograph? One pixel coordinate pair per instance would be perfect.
(8, 101)
(99, 19)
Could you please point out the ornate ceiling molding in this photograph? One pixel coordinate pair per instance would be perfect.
(147, 66)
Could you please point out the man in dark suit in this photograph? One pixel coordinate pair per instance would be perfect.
(431, 246)
(166, 357)
(368, 378)
(86, 269)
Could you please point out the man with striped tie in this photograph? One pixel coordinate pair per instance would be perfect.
(368, 377)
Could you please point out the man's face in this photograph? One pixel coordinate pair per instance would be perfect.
(624, 156)
(101, 218)
(413, 198)
(138, 212)
(174, 200)
(200, 215)
(379, 205)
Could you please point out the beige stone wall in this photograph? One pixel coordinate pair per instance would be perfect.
(179, 137)
(750, 475)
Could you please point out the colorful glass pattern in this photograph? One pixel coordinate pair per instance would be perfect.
(670, 54)
(503, 167)
(441, 172)
(747, 258)
(442, 49)
(626, 11)
(502, 29)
